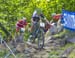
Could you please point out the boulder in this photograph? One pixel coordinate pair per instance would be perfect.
(71, 40)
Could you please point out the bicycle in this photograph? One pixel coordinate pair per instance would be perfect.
(38, 32)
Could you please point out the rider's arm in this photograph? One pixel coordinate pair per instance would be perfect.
(46, 20)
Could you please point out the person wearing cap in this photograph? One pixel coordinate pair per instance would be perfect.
(21, 24)
(56, 17)
(56, 25)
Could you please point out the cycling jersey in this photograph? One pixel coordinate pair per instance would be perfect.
(20, 24)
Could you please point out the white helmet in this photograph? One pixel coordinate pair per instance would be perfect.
(34, 13)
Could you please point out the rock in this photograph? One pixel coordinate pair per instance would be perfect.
(72, 40)
(27, 50)
(20, 47)
(45, 56)
(2, 46)
(47, 49)
(66, 52)
(64, 56)
(28, 55)
(32, 50)
(32, 45)
(43, 53)
(37, 56)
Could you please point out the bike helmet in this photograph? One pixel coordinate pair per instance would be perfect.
(36, 18)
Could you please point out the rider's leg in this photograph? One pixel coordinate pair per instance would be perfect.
(32, 36)
(31, 33)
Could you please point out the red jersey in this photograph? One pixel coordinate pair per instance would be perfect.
(21, 23)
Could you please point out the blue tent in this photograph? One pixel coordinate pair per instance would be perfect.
(68, 20)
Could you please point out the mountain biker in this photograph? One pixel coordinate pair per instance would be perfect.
(35, 24)
(44, 23)
(20, 25)
(35, 18)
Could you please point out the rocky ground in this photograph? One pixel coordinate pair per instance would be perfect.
(25, 50)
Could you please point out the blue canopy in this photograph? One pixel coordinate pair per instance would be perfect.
(68, 20)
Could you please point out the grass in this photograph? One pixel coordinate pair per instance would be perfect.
(56, 53)
(53, 54)
(3, 53)
(60, 34)
(72, 54)
(19, 55)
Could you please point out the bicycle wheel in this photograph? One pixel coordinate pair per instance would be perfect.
(41, 39)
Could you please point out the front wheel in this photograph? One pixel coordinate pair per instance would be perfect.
(41, 39)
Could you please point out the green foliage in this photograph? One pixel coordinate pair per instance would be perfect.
(72, 55)
(2, 53)
(13, 10)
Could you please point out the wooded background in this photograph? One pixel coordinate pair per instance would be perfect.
(13, 10)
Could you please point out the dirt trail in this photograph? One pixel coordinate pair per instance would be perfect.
(44, 53)
(31, 51)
